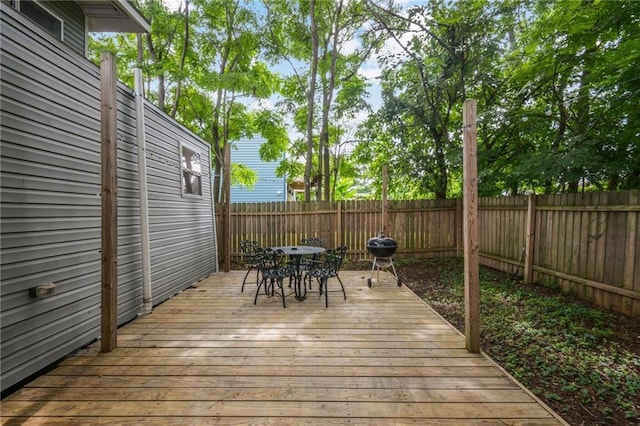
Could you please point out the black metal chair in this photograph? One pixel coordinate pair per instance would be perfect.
(312, 241)
(328, 266)
(251, 253)
(273, 270)
(304, 262)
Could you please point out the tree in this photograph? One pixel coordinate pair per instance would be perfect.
(442, 51)
(578, 89)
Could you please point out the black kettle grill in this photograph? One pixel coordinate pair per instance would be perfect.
(382, 248)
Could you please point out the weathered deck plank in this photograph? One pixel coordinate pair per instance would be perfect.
(209, 355)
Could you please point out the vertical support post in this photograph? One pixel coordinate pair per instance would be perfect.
(529, 239)
(226, 216)
(108, 136)
(470, 228)
(384, 199)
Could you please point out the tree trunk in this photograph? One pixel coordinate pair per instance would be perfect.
(183, 57)
(310, 102)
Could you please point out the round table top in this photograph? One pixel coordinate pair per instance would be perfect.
(299, 250)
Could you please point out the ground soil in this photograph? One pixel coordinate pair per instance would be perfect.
(428, 283)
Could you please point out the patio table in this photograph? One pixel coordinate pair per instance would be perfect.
(295, 253)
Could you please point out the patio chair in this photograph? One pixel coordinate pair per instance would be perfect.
(273, 270)
(327, 267)
(251, 252)
(314, 242)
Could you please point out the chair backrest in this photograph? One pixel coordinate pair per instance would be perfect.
(334, 259)
(248, 246)
(272, 264)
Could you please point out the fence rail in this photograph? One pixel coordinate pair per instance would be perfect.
(588, 244)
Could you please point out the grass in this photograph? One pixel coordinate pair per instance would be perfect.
(582, 360)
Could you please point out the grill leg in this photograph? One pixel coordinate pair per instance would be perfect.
(373, 267)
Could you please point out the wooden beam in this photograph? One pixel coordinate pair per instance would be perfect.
(470, 228)
(109, 136)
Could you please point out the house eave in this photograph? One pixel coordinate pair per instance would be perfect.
(113, 16)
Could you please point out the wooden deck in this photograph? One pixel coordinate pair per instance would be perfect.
(209, 355)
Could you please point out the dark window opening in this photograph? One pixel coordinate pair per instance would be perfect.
(42, 17)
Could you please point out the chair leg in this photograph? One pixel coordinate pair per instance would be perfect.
(245, 279)
(325, 282)
(281, 285)
(264, 281)
(343, 292)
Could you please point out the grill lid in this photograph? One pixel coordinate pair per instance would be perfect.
(382, 246)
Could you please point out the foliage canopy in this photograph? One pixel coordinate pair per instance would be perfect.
(556, 85)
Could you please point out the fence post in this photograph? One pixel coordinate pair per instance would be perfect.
(630, 243)
(529, 238)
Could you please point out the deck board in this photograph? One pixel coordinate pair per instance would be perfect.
(210, 355)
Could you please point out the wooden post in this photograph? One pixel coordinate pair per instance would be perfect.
(109, 136)
(529, 239)
(384, 199)
(470, 228)
(631, 268)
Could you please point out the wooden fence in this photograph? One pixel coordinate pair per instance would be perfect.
(588, 244)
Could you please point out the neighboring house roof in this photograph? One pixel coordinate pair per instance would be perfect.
(113, 16)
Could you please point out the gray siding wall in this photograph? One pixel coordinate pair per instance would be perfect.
(50, 204)
(269, 187)
(71, 14)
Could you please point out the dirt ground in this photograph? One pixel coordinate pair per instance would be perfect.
(431, 284)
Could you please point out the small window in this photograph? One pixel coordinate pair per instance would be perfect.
(42, 16)
(191, 171)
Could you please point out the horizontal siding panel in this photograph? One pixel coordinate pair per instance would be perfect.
(11, 195)
(26, 253)
(44, 211)
(55, 347)
(26, 239)
(79, 286)
(17, 167)
(26, 333)
(44, 140)
(37, 45)
(46, 87)
(39, 184)
(51, 263)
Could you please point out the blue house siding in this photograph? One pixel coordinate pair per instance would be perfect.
(269, 187)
